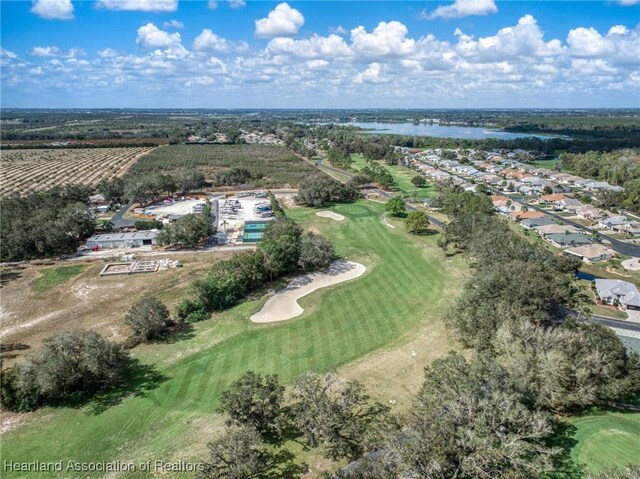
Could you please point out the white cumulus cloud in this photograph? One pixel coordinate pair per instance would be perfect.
(151, 36)
(463, 8)
(525, 39)
(371, 75)
(139, 5)
(237, 3)
(332, 46)
(208, 40)
(173, 24)
(282, 21)
(53, 9)
(628, 3)
(212, 4)
(51, 52)
(387, 39)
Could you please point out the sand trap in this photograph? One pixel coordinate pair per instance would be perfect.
(284, 305)
(632, 264)
(330, 214)
(384, 220)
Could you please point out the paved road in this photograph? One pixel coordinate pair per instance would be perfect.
(616, 323)
(617, 245)
(119, 221)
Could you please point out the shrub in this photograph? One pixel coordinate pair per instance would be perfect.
(69, 366)
(148, 318)
(148, 225)
(316, 251)
(190, 311)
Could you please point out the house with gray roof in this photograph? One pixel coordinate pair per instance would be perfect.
(565, 240)
(619, 293)
(530, 223)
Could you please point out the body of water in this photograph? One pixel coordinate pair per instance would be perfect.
(441, 131)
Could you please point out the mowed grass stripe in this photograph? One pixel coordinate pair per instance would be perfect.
(340, 324)
(606, 440)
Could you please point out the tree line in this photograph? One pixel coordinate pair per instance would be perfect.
(322, 190)
(284, 249)
(620, 167)
(516, 307)
(46, 223)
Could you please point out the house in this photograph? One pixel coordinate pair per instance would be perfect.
(499, 200)
(530, 190)
(550, 229)
(550, 199)
(532, 223)
(613, 222)
(567, 204)
(533, 181)
(123, 240)
(588, 212)
(565, 240)
(619, 293)
(591, 253)
(632, 228)
(527, 215)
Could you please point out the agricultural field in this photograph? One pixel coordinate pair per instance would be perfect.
(26, 171)
(391, 331)
(271, 166)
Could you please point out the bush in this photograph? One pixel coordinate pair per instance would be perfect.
(254, 400)
(141, 225)
(419, 181)
(232, 176)
(190, 311)
(69, 366)
(316, 251)
(187, 231)
(321, 190)
(148, 318)
(395, 206)
(417, 222)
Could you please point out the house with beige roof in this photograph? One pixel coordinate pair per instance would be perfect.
(551, 229)
(592, 253)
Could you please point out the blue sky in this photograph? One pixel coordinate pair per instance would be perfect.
(320, 54)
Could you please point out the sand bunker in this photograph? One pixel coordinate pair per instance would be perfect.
(330, 214)
(284, 305)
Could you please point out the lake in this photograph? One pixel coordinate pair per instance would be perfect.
(441, 131)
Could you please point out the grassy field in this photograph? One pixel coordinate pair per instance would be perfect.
(51, 277)
(390, 314)
(402, 178)
(606, 439)
(37, 303)
(272, 166)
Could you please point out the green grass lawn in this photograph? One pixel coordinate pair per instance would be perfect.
(606, 439)
(52, 277)
(402, 178)
(402, 293)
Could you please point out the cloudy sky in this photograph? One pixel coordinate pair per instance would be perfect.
(320, 54)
